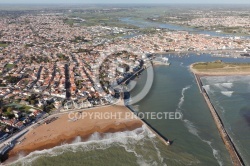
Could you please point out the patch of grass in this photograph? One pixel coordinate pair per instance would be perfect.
(219, 66)
(209, 65)
(3, 45)
(9, 66)
(19, 107)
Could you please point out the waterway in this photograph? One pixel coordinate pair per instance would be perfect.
(196, 140)
(149, 24)
(230, 95)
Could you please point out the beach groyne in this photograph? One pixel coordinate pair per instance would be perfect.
(234, 154)
(152, 129)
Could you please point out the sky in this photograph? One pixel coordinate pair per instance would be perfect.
(127, 1)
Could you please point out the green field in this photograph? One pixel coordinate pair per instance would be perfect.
(110, 17)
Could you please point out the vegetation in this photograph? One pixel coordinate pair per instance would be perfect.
(62, 56)
(80, 39)
(48, 107)
(33, 99)
(9, 66)
(7, 110)
(3, 44)
(12, 79)
(29, 45)
(220, 67)
(37, 59)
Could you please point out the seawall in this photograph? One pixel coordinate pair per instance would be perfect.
(151, 128)
(234, 154)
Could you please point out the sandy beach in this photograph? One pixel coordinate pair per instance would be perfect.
(66, 127)
(219, 72)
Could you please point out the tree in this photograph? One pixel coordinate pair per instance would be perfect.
(9, 109)
(32, 102)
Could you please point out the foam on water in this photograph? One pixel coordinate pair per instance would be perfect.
(224, 86)
(219, 85)
(215, 152)
(227, 85)
(77, 139)
(126, 139)
(136, 108)
(182, 99)
(208, 89)
(193, 130)
(227, 93)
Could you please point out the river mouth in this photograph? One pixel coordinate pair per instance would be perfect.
(196, 138)
(141, 23)
(175, 89)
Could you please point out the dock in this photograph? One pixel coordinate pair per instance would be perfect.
(234, 154)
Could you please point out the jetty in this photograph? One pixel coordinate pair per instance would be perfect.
(234, 154)
(165, 140)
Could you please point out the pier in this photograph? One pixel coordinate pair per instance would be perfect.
(234, 154)
(152, 129)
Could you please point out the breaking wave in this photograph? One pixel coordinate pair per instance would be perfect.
(97, 141)
(227, 93)
(224, 86)
(227, 85)
(208, 89)
(193, 130)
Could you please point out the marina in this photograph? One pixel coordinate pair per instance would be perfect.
(160, 61)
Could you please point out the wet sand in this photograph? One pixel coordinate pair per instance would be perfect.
(64, 129)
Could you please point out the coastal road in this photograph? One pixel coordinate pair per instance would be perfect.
(41, 121)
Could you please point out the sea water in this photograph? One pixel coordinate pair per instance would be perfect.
(196, 140)
(231, 95)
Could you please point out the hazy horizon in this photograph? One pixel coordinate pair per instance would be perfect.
(125, 2)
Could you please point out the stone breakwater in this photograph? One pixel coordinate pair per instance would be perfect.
(234, 154)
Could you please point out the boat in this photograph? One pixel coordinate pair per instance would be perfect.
(161, 61)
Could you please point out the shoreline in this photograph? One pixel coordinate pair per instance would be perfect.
(233, 152)
(113, 127)
(217, 73)
(63, 130)
(121, 126)
(200, 52)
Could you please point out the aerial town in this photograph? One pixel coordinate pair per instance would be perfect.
(236, 22)
(48, 66)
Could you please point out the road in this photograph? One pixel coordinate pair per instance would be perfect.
(41, 121)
